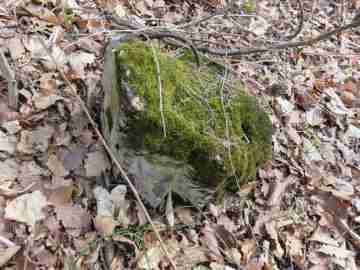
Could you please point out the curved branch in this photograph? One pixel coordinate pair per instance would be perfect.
(158, 34)
(154, 33)
(280, 46)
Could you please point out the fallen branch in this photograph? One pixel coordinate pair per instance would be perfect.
(232, 52)
(137, 31)
(224, 11)
(281, 46)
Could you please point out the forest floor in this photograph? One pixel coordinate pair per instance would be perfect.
(302, 211)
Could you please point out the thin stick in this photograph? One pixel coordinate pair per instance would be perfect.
(280, 46)
(161, 102)
(227, 127)
(111, 154)
(233, 52)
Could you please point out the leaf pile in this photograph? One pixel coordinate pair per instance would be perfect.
(303, 210)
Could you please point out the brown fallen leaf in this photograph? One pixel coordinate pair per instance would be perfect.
(92, 25)
(151, 258)
(248, 249)
(11, 127)
(79, 60)
(120, 203)
(184, 215)
(105, 225)
(74, 218)
(210, 241)
(227, 223)
(190, 256)
(16, 48)
(123, 239)
(295, 248)
(96, 163)
(339, 252)
(348, 98)
(258, 263)
(8, 192)
(27, 208)
(6, 114)
(225, 238)
(7, 143)
(278, 189)
(305, 100)
(74, 159)
(36, 140)
(56, 166)
(41, 12)
(105, 206)
(61, 195)
(272, 231)
(7, 254)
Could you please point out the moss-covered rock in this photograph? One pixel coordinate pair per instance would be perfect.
(203, 120)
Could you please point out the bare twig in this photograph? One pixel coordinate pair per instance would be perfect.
(281, 46)
(325, 54)
(224, 11)
(156, 34)
(158, 76)
(111, 154)
(233, 52)
(227, 127)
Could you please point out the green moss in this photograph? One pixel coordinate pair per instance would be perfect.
(68, 16)
(220, 131)
(249, 6)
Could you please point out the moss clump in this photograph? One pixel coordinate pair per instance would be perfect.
(249, 6)
(217, 129)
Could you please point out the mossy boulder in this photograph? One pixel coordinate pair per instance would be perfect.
(195, 121)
